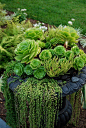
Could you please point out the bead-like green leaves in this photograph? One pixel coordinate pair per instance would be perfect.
(39, 73)
(26, 51)
(35, 63)
(45, 54)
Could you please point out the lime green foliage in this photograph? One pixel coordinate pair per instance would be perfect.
(52, 52)
(35, 63)
(26, 51)
(28, 70)
(55, 67)
(75, 50)
(54, 41)
(40, 43)
(19, 69)
(33, 33)
(39, 73)
(70, 35)
(15, 28)
(61, 35)
(9, 38)
(83, 56)
(45, 54)
(78, 63)
(42, 102)
(60, 51)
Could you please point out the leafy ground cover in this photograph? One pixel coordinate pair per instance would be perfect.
(52, 12)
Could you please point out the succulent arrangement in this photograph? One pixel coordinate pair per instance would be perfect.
(50, 53)
(39, 56)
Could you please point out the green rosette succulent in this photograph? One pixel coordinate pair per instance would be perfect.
(52, 52)
(60, 51)
(45, 54)
(47, 45)
(68, 54)
(78, 63)
(18, 69)
(28, 70)
(75, 50)
(39, 73)
(35, 63)
(40, 43)
(26, 51)
(33, 33)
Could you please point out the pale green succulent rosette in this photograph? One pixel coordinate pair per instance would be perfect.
(69, 54)
(75, 50)
(39, 73)
(78, 63)
(28, 70)
(60, 51)
(18, 69)
(26, 51)
(45, 54)
(35, 63)
(33, 33)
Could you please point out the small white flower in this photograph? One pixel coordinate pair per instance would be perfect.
(73, 19)
(23, 9)
(70, 22)
(25, 14)
(18, 9)
(36, 25)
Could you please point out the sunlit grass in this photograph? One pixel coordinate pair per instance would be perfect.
(53, 12)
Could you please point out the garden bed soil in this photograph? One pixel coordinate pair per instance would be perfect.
(82, 118)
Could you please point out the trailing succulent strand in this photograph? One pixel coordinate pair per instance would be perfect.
(41, 96)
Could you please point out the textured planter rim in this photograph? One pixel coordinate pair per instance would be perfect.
(67, 89)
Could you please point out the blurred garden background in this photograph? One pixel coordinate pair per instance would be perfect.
(53, 12)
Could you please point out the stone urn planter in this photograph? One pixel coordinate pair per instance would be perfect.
(47, 67)
(73, 84)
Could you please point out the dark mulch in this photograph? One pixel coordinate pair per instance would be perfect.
(82, 118)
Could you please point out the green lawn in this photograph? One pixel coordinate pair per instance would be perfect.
(53, 12)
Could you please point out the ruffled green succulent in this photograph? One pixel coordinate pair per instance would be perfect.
(40, 43)
(54, 41)
(75, 50)
(33, 33)
(60, 51)
(45, 54)
(35, 63)
(39, 73)
(18, 69)
(47, 45)
(78, 63)
(28, 70)
(26, 51)
(68, 54)
(52, 52)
